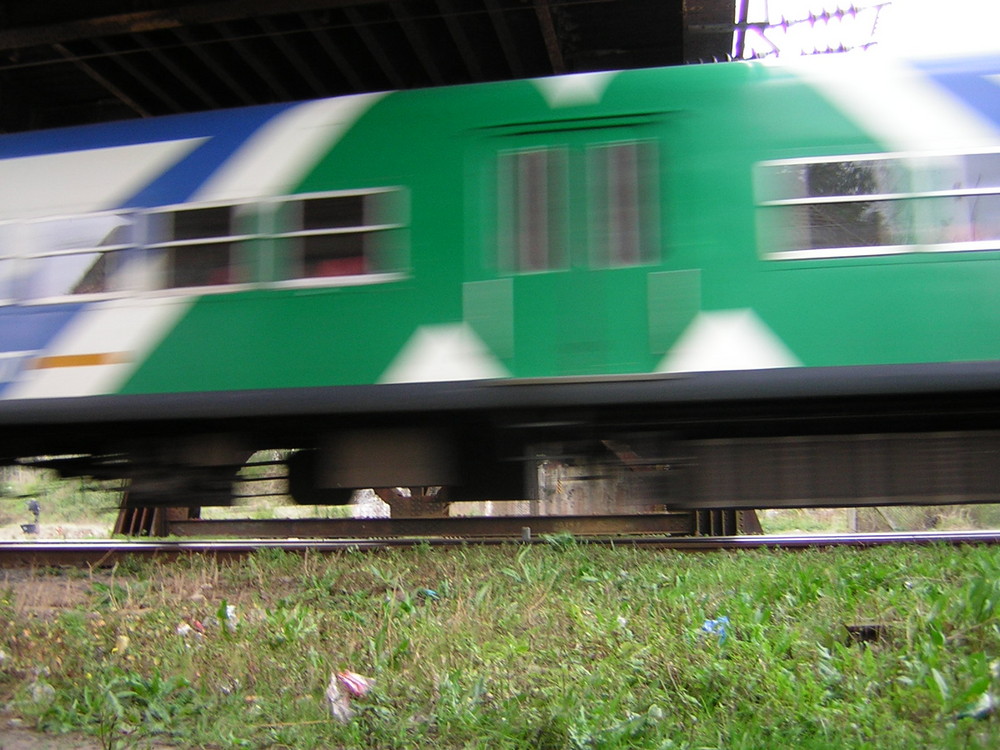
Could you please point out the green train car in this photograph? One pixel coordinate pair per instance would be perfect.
(757, 284)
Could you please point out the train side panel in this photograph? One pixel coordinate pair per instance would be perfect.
(603, 224)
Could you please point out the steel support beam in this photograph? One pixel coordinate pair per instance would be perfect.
(543, 10)
(103, 81)
(507, 526)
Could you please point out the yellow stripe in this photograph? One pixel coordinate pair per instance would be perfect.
(80, 360)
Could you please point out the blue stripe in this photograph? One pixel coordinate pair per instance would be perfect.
(29, 329)
(224, 131)
(180, 182)
(966, 79)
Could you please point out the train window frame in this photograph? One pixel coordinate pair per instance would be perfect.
(161, 244)
(606, 210)
(931, 193)
(383, 254)
(32, 250)
(9, 238)
(252, 243)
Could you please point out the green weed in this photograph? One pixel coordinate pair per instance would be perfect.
(560, 645)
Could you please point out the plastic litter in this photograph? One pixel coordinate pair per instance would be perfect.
(356, 685)
(338, 701)
(226, 616)
(229, 616)
(718, 628)
(342, 688)
(191, 627)
(981, 709)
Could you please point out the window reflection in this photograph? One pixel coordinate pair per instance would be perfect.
(880, 204)
(73, 256)
(320, 236)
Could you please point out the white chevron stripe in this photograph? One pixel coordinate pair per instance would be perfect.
(727, 340)
(76, 182)
(899, 107)
(442, 353)
(575, 89)
(279, 155)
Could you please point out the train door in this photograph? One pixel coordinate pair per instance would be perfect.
(572, 226)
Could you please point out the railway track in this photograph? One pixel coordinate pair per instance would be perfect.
(105, 553)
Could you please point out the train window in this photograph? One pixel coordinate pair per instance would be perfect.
(879, 205)
(199, 246)
(341, 212)
(336, 235)
(200, 223)
(623, 211)
(958, 203)
(835, 207)
(532, 192)
(193, 246)
(74, 256)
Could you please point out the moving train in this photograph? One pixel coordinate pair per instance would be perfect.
(754, 283)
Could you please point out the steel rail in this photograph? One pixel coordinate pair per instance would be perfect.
(105, 553)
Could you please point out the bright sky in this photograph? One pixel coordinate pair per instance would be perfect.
(903, 27)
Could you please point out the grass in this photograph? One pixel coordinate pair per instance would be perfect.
(61, 500)
(560, 645)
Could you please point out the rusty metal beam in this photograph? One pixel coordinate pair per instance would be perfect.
(292, 55)
(507, 526)
(196, 47)
(507, 42)
(100, 79)
(178, 72)
(374, 47)
(461, 39)
(339, 60)
(416, 39)
(254, 63)
(543, 10)
(163, 18)
(147, 83)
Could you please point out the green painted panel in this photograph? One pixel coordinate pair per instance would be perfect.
(924, 309)
(674, 300)
(488, 306)
(281, 339)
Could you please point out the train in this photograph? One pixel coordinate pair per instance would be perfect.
(750, 284)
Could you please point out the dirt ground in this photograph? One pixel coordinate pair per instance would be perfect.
(50, 597)
(22, 739)
(16, 738)
(46, 598)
